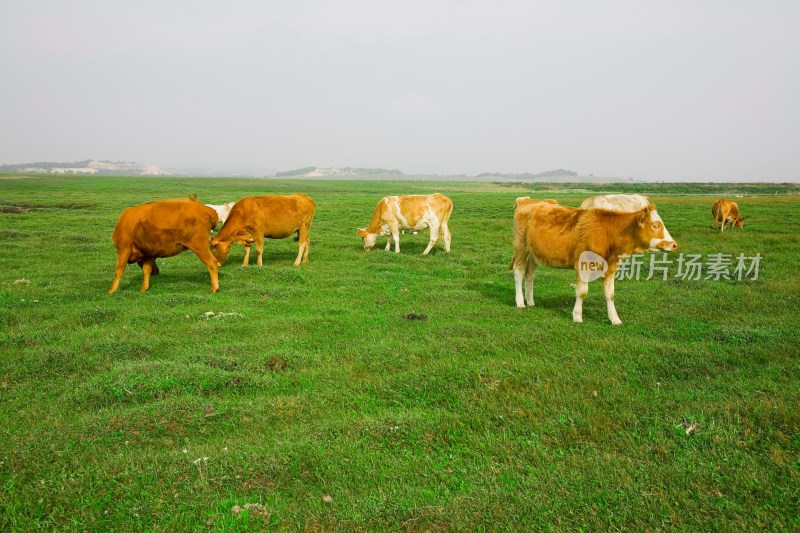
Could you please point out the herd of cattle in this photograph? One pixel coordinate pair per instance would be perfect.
(545, 233)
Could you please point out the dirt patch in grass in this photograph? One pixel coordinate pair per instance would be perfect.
(276, 364)
(24, 208)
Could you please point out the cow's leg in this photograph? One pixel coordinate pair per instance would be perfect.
(200, 249)
(608, 291)
(122, 262)
(302, 249)
(518, 263)
(581, 290)
(388, 243)
(395, 236)
(147, 269)
(433, 238)
(246, 260)
(530, 273)
(260, 249)
(446, 237)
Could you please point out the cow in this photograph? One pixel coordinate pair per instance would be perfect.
(621, 203)
(222, 210)
(162, 229)
(272, 216)
(557, 236)
(725, 211)
(395, 213)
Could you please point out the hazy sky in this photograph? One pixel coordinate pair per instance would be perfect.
(660, 90)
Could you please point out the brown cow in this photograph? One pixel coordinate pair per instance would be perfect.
(557, 236)
(273, 216)
(163, 229)
(725, 211)
(413, 213)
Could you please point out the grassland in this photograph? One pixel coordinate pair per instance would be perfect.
(319, 401)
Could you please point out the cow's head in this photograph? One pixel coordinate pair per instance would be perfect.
(220, 249)
(653, 232)
(739, 222)
(369, 238)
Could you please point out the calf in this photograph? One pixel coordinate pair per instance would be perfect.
(274, 216)
(395, 213)
(222, 210)
(163, 229)
(556, 236)
(725, 211)
(621, 203)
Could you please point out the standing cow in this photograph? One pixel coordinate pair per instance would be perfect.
(725, 211)
(273, 216)
(557, 236)
(395, 213)
(163, 229)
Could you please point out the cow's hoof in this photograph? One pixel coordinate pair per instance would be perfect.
(617, 323)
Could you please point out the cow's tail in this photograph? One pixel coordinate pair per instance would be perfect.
(447, 215)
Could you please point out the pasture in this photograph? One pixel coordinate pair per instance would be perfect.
(309, 393)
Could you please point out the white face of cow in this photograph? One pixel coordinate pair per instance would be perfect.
(369, 239)
(660, 239)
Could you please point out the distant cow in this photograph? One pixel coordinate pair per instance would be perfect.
(222, 210)
(395, 213)
(621, 203)
(527, 199)
(273, 216)
(556, 236)
(163, 229)
(725, 211)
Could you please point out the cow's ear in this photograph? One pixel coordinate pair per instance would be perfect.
(362, 232)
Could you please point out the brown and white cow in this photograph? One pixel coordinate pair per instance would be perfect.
(622, 203)
(273, 217)
(725, 211)
(557, 236)
(395, 213)
(163, 229)
(222, 210)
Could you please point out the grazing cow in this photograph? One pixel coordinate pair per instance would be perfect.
(395, 213)
(557, 236)
(273, 216)
(163, 229)
(725, 211)
(621, 203)
(222, 210)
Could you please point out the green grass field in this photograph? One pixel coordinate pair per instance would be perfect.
(317, 400)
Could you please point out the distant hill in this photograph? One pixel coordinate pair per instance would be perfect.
(527, 176)
(317, 172)
(89, 166)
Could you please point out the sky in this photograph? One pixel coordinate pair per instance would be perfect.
(674, 91)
